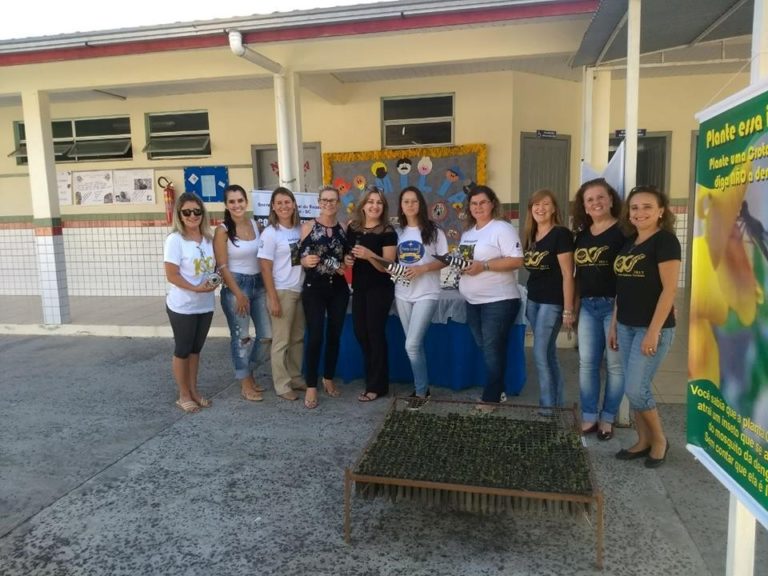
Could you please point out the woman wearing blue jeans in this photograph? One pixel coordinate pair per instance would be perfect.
(647, 269)
(598, 240)
(418, 240)
(548, 252)
(489, 284)
(243, 298)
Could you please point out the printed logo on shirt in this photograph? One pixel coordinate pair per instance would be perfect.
(533, 259)
(410, 251)
(590, 256)
(204, 265)
(625, 265)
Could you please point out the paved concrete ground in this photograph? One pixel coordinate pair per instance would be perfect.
(101, 475)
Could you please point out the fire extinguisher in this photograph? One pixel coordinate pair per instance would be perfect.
(170, 197)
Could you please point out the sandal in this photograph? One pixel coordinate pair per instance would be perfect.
(310, 403)
(367, 397)
(204, 402)
(252, 395)
(188, 406)
(330, 388)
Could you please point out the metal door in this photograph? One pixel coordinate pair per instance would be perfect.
(265, 167)
(544, 163)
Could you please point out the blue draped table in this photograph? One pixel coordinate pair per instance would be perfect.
(453, 359)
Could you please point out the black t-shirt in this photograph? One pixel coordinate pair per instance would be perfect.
(545, 282)
(594, 258)
(638, 282)
(364, 275)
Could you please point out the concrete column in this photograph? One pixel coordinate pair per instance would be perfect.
(51, 261)
(601, 117)
(290, 151)
(633, 89)
(759, 67)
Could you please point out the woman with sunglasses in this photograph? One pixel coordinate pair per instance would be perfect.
(325, 293)
(243, 298)
(418, 240)
(370, 235)
(190, 269)
(283, 276)
(643, 325)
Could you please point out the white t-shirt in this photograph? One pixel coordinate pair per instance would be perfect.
(195, 262)
(412, 252)
(496, 239)
(242, 259)
(281, 245)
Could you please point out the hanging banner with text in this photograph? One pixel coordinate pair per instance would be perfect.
(728, 344)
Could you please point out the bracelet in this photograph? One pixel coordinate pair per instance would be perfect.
(222, 266)
(486, 266)
(567, 312)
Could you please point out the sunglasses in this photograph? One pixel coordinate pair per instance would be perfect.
(191, 211)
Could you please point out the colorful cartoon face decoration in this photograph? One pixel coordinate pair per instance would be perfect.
(468, 185)
(404, 166)
(379, 169)
(341, 185)
(359, 181)
(350, 208)
(452, 233)
(439, 211)
(454, 174)
(424, 166)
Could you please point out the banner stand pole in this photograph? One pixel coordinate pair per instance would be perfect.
(740, 560)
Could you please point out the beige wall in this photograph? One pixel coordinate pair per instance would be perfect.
(492, 108)
(668, 104)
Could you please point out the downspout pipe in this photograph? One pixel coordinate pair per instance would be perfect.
(241, 50)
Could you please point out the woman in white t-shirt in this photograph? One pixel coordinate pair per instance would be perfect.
(489, 284)
(243, 298)
(418, 240)
(189, 268)
(283, 275)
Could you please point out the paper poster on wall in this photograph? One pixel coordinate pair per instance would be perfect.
(134, 186)
(306, 203)
(93, 187)
(64, 186)
(443, 174)
(728, 339)
(208, 182)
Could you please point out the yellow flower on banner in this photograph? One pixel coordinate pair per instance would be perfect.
(704, 354)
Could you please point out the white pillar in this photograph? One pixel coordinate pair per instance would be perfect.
(759, 67)
(51, 261)
(740, 556)
(587, 83)
(290, 151)
(633, 89)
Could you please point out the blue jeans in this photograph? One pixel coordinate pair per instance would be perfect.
(545, 321)
(490, 324)
(415, 318)
(639, 369)
(244, 348)
(594, 323)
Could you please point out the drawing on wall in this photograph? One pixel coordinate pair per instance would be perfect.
(442, 174)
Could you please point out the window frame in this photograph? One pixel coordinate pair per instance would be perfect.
(68, 144)
(156, 138)
(426, 120)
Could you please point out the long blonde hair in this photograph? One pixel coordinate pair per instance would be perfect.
(531, 227)
(177, 224)
(358, 222)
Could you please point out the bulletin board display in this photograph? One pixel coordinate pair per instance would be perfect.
(442, 174)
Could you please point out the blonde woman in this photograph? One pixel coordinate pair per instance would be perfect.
(189, 268)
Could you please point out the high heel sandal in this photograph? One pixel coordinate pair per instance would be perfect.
(330, 388)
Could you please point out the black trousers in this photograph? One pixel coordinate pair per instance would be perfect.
(189, 332)
(370, 308)
(323, 299)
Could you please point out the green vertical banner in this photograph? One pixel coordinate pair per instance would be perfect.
(728, 346)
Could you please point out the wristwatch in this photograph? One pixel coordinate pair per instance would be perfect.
(486, 266)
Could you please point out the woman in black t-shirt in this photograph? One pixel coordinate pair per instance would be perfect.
(643, 326)
(369, 235)
(548, 249)
(599, 238)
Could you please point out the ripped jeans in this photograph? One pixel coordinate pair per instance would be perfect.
(244, 347)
